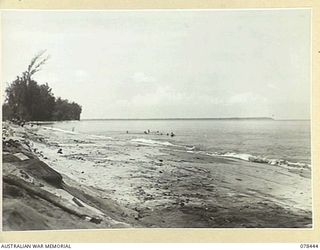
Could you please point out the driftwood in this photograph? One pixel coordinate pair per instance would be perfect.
(13, 180)
(75, 200)
(42, 171)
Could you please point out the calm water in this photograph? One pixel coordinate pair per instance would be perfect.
(286, 140)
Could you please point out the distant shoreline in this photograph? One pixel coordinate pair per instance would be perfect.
(174, 119)
(192, 119)
(159, 119)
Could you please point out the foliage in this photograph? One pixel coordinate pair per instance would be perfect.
(27, 100)
(66, 111)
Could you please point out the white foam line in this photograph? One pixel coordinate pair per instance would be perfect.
(152, 142)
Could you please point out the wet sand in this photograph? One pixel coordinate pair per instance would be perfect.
(107, 182)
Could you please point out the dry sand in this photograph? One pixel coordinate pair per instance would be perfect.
(99, 182)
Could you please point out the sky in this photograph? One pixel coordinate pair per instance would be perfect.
(167, 64)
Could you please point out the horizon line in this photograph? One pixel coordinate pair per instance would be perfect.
(184, 118)
(200, 118)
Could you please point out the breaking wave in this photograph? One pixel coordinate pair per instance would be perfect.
(92, 136)
(196, 150)
(239, 156)
(259, 159)
(60, 130)
(152, 142)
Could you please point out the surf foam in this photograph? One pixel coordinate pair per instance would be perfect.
(259, 159)
(151, 142)
(60, 130)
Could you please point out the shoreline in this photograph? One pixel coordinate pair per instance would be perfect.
(123, 184)
(36, 197)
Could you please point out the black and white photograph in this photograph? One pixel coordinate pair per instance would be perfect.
(156, 118)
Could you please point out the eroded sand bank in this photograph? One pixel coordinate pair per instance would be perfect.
(107, 182)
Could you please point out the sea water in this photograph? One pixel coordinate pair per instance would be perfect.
(269, 141)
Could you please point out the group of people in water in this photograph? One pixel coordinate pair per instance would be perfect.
(148, 131)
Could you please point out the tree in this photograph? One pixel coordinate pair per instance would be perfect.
(66, 111)
(27, 100)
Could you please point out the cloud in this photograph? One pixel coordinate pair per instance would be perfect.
(80, 75)
(162, 95)
(246, 97)
(271, 86)
(140, 77)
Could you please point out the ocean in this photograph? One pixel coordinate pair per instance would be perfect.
(277, 142)
(210, 168)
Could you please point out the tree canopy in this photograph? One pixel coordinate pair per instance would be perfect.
(27, 100)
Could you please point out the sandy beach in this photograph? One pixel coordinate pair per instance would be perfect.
(64, 180)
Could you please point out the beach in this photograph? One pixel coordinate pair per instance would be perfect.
(70, 180)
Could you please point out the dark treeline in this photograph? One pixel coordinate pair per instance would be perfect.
(26, 100)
